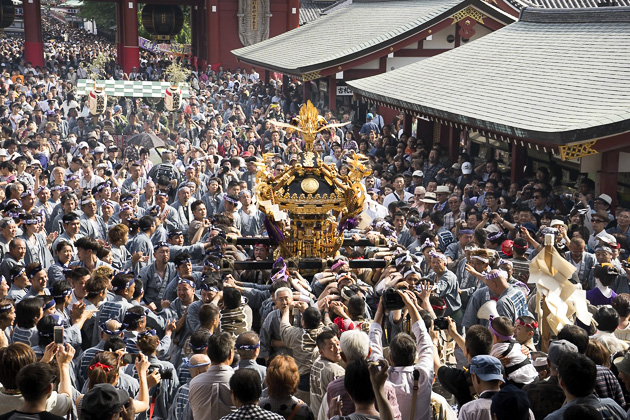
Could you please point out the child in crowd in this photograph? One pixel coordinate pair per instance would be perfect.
(233, 316)
(519, 370)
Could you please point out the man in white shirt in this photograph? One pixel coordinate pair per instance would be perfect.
(399, 193)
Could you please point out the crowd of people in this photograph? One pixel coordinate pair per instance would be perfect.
(119, 296)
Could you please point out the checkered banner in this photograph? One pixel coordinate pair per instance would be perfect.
(128, 88)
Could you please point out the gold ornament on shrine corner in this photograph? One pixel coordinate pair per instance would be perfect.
(308, 204)
(576, 151)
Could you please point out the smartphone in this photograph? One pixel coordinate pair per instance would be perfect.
(58, 335)
(130, 358)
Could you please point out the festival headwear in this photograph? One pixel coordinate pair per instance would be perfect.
(112, 332)
(338, 264)
(208, 288)
(35, 270)
(174, 232)
(49, 304)
(133, 315)
(125, 286)
(187, 281)
(27, 193)
(231, 199)
(434, 254)
(505, 262)
(63, 293)
(145, 333)
(532, 325)
(247, 347)
(427, 244)
(87, 200)
(496, 333)
(6, 308)
(186, 361)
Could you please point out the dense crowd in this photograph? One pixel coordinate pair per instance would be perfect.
(119, 296)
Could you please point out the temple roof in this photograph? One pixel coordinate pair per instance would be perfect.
(350, 31)
(557, 76)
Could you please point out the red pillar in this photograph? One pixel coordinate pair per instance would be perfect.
(609, 173)
(212, 22)
(130, 49)
(293, 14)
(519, 160)
(33, 42)
(120, 30)
(332, 93)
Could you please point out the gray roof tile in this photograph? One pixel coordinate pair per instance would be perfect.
(556, 75)
(353, 28)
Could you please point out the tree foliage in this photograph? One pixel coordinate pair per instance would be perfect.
(103, 13)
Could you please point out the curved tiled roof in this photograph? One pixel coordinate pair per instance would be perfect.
(557, 75)
(354, 30)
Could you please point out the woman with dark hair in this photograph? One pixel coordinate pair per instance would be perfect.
(15, 357)
(7, 318)
(104, 369)
(621, 304)
(282, 381)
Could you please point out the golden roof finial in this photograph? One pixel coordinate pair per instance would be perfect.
(308, 123)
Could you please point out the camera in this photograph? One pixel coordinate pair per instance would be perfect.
(130, 358)
(58, 335)
(440, 323)
(165, 373)
(392, 300)
(108, 172)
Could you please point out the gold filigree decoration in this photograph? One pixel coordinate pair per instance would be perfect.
(310, 76)
(576, 151)
(310, 200)
(469, 12)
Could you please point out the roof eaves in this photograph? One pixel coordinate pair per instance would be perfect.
(547, 137)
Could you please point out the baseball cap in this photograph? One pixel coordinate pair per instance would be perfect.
(102, 400)
(83, 144)
(623, 363)
(605, 198)
(559, 348)
(419, 174)
(99, 149)
(369, 116)
(467, 168)
(487, 368)
(493, 229)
